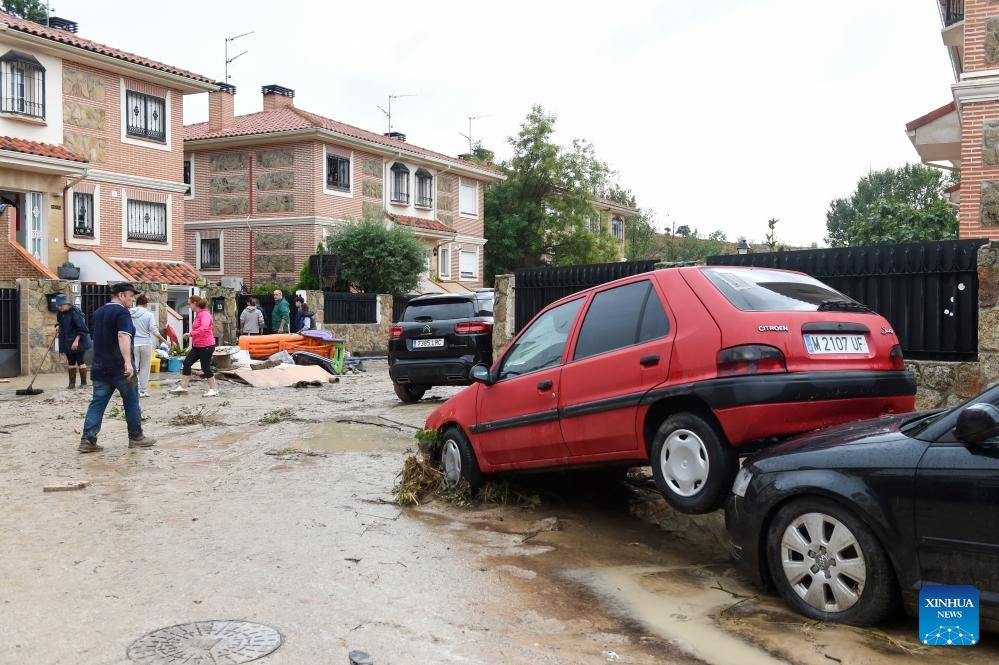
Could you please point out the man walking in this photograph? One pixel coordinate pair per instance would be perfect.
(281, 316)
(112, 370)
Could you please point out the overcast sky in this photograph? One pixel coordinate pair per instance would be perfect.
(718, 115)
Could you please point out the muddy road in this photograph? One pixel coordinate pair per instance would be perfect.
(275, 506)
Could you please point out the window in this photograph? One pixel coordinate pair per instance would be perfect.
(22, 85)
(768, 291)
(147, 221)
(189, 177)
(468, 198)
(593, 223)
(337, 172)
(620, 317)
(83, 215)
(146, 115)
(617, 227)
(444, 262)
(400, 183)
(541, 345)
(424, 188)
(468, 264)
(210, 254)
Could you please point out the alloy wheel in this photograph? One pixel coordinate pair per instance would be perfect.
(823, 562)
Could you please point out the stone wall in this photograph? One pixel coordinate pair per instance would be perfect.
(503, 312)
(367, 339)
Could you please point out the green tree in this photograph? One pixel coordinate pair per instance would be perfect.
(913, 188)
(374, 259)
(640, 239)
(32, 10)
(895, 222)
(540, 213)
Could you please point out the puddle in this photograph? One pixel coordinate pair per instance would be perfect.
(334, 437)
(683, 619)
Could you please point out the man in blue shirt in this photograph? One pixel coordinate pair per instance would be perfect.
(112, 370)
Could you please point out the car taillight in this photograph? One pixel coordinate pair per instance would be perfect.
(895, 356)
(472, 327)
(750, 359)
(395, 332)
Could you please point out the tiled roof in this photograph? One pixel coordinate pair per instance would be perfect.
(164, 272)
(36, 148)
(290, 118)
(68, 38)
(420, 223)
(930, 117)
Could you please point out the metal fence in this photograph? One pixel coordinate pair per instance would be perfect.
(93, 296)
(10, 329)
(928, 291)
(538, 287)
(399, 303)
(350, 307)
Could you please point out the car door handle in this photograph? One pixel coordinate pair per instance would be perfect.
(545, 385)
(652, 359)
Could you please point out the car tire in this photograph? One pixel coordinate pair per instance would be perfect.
(458, 461)
(692, 463)
(804, 568)
(409, 392)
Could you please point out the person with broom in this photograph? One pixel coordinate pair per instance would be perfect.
(74, 339)
(113, 370)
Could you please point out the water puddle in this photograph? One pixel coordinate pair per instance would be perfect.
(334, 437)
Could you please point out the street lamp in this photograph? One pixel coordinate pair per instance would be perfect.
(742, 247)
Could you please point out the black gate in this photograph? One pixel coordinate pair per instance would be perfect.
(265, 303)
(538, 287)
(928, 291)
(93, 296)
(350, 308)
(399, 303)
(10, 333)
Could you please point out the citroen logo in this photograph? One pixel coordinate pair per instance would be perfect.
(427, 330)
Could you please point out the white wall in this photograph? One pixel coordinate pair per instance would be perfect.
(51, 130)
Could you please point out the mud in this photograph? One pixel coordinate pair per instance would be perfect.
(207, 525)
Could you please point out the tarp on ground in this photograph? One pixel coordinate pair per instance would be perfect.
(281, 376)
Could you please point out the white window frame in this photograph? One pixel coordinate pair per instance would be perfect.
(398, 176)
(428, 180)
(462, 210)
(30, 78)
(191, 194)
(138, 244)
(344, 154)
(474, 274)
(70, 211)
(221, 269)
(152, 144)
(617, 227)
(444, 261)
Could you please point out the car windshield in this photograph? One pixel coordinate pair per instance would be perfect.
(761, 290)
(438, 310)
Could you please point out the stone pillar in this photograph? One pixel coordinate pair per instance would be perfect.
(38, 324)
(317, 303)
(504, 312)
(988, 313)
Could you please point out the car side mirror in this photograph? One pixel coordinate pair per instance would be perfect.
(480, 374)
(977, 422)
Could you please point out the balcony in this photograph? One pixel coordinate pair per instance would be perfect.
(953, 11)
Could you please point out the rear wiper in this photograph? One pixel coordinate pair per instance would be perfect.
(839, 305)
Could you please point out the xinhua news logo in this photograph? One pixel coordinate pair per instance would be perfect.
(948, 615)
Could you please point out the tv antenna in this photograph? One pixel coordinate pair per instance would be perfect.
(389, 112)
(468, 136)
(227, 58)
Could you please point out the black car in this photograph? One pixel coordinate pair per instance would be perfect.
(438, 340)
(848, 521)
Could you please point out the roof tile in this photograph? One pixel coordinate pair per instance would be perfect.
(165, 272)
(420, 223)
(35, 148)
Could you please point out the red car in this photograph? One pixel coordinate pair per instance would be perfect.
(679, 367)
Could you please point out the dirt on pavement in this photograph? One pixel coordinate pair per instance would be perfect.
(275, 506)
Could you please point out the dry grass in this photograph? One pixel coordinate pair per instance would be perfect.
(196, 416)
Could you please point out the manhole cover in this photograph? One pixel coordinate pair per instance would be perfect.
(206, 643)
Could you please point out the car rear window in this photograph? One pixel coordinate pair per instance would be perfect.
(438, 310)
(761, 290)
(484, 304)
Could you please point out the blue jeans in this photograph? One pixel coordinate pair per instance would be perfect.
(103, 390)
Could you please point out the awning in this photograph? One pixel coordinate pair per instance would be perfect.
(936, 136)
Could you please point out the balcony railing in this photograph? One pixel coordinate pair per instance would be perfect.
(953, 12)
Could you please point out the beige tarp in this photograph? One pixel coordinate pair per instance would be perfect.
(280, 376)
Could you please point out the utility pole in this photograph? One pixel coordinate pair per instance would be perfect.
(471, 143)
(227, 58)
(389, 112)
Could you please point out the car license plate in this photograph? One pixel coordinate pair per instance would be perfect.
(842, 344)
(428, 343)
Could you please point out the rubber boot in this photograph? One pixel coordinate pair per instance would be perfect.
(72, 378)
(83, 376)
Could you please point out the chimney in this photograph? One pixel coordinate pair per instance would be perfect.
(277, 97)
(63, 24)
(399, 136)
(221, 107)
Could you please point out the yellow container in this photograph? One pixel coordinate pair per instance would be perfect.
(154, 365)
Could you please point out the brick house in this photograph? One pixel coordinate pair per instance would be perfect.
(91, 158)
(964, 133)
(267, 187)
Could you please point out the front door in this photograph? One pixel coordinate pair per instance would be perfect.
(35, 213)
(517, 416)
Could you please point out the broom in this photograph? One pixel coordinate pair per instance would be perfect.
(36, 391)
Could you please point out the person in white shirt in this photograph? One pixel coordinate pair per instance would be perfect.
(146, 331)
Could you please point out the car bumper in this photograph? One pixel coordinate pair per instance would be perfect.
(432, 372)
(744, 538)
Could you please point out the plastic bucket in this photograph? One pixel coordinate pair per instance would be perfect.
(174, 364)
(154, 365)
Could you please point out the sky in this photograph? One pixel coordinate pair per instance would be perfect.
(717, 115)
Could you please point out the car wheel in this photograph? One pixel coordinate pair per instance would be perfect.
(409, 393)
(458, 460)
(692, 463)
(828, 565)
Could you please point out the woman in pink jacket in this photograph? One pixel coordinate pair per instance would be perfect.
(203, 346)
